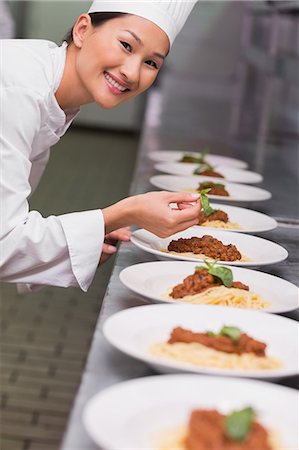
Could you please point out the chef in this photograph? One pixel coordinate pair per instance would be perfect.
(113, 53)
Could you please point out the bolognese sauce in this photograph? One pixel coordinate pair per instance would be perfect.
(206, 245)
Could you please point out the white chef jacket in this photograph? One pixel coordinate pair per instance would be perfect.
(34, 250)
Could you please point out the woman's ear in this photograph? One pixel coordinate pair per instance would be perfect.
(81, 29)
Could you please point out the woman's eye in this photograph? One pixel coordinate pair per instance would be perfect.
(152, 64)
(126, 45)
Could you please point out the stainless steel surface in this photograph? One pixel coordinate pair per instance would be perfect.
(106, 366)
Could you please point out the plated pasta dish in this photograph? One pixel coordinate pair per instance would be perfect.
(212, 285)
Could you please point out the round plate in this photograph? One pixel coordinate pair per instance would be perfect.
(175, 156)
(237, 192)
(229, 173)
(154, 323)
(250, 221)
(153, 279)
(133, 414)
(259, 251)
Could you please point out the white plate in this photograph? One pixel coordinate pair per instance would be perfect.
(229, 173)
(238, 192)
(175, 156)
(153, 279)
(154, 323)
(131, 415)
(260, 251)
(249, 220)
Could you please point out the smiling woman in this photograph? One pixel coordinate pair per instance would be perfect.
(112, 62)
(113, 53)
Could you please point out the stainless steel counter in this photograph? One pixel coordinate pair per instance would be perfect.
(106, 366)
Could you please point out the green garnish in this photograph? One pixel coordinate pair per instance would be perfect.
(205, 203)
(223, 273)
(232, 332)
(200, 159)
(202, 168)
(211, 333)
(210, 184)
(237, 425)
(202, 156)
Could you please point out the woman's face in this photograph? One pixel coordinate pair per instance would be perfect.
(119, 59)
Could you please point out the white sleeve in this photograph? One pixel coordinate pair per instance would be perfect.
(59, 251)
(37, 169)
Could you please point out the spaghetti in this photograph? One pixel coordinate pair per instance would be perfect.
(223, 296)
(203, 356)
(202, 255)
(221, 224)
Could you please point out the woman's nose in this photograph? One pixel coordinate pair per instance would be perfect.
(130, 70)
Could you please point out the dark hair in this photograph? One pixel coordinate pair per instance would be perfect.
(97, 19)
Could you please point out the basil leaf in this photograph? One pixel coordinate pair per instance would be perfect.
(210, 184)
(204, 191)
(211, 333)
(224, 273)
(200, 268)
(237, 425)
(202, 167)
(207, 209)
(197, 170)
(202, 155)
(232, 332)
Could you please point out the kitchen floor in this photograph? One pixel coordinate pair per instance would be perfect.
(45, 336)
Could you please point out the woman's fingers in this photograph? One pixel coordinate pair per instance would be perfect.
(182, 197)
(184, 206)
(108, 249)
(186, 214)
(184, 225)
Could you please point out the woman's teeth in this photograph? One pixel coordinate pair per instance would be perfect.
(114, 83)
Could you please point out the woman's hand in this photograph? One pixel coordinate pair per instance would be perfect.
(155, 214)
(111, 240)
(152, 211)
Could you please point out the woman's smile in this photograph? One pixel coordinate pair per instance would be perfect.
(115, 85)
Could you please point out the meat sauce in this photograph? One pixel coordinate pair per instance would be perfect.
(217, 215)
(211, 173)
(206, 431)
(198, 282)
(215, 188)
(245, 344)
(207, 245)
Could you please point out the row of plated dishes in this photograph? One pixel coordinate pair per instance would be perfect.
(216, 329)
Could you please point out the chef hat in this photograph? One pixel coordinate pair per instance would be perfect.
(170, 16)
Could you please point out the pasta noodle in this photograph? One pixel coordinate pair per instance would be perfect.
(174, 439)
(223, 296)
(203, 356)
(221, 224)
(203, 256)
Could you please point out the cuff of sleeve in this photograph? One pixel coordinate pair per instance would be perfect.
(85, 234)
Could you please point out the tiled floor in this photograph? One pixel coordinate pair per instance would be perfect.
(45, 336)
